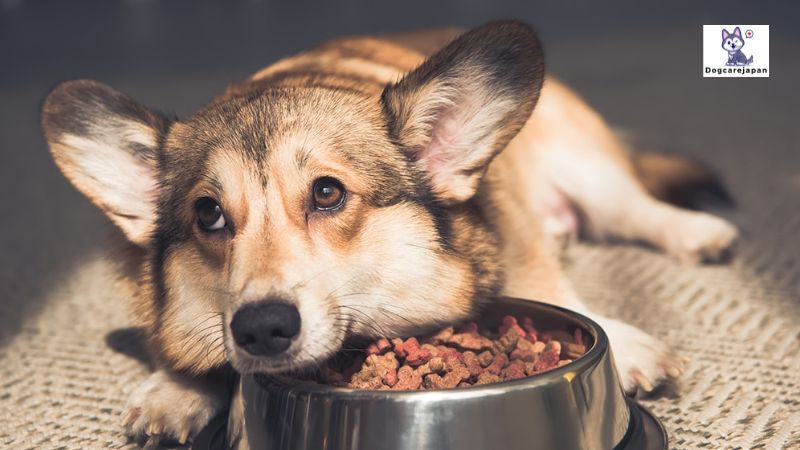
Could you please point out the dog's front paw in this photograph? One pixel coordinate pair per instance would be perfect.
(702, 237)
(642, 360)
(172, 406)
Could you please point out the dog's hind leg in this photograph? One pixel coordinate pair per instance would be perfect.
(582, 159)
(616, 205)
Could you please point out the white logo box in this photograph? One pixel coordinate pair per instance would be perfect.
(756, 44)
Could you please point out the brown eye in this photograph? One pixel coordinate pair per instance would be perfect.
(209, 214)
(328, 194)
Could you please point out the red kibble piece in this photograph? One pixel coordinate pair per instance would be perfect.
(531, 333)
(577, 337)
(405, 348)
(448, 353)
(390, 379)
(498, 363)
(417, 356)
(379, 347)
(397, 343)
(508, 323)
(549, 358)
(514, 371)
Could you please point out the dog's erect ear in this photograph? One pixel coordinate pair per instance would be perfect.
(107, 144)
(463, 105)
(725, 34)
(737, 32)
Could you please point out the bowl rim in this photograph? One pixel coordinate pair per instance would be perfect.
(592, 357)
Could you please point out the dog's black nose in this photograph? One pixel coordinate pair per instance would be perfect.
(265, 328)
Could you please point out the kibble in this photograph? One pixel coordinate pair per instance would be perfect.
(457, 357)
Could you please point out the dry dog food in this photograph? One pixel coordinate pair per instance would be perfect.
(462, 357)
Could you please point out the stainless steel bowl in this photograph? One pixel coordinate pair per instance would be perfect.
(577, 406)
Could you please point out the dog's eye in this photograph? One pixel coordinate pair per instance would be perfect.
(209, 214)
(328, 194)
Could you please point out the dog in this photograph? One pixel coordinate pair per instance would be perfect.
(392, 183)
(733, 43)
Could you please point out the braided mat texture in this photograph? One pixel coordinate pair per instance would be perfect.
(63, 386)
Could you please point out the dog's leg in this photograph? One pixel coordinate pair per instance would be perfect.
(174, 406)
(617, 206)
(571, 154)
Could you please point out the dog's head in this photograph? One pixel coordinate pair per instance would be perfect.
(280, 223)
(732, 42)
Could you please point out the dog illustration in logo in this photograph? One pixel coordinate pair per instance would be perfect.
(733, 43)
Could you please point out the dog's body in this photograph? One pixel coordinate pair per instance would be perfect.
(411, 220)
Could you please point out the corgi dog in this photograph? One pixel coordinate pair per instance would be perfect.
(392, 183)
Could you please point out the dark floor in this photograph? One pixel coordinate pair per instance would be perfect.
(175, 55)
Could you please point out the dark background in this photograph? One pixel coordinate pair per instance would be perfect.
(638, 62)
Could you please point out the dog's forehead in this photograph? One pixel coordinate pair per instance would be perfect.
(304, 122)
(287, 130)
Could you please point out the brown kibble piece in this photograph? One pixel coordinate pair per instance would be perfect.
(526, 351)
(507, 341)
(472, 364)
(441, 336)
(470, 341)
(436, 364)
(407, 379)
(485, 358)
(487, 378)
(570, 350)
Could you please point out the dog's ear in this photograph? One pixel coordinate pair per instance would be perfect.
(462, 106)
(107, 146)
(725, 34)
(737, 32)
